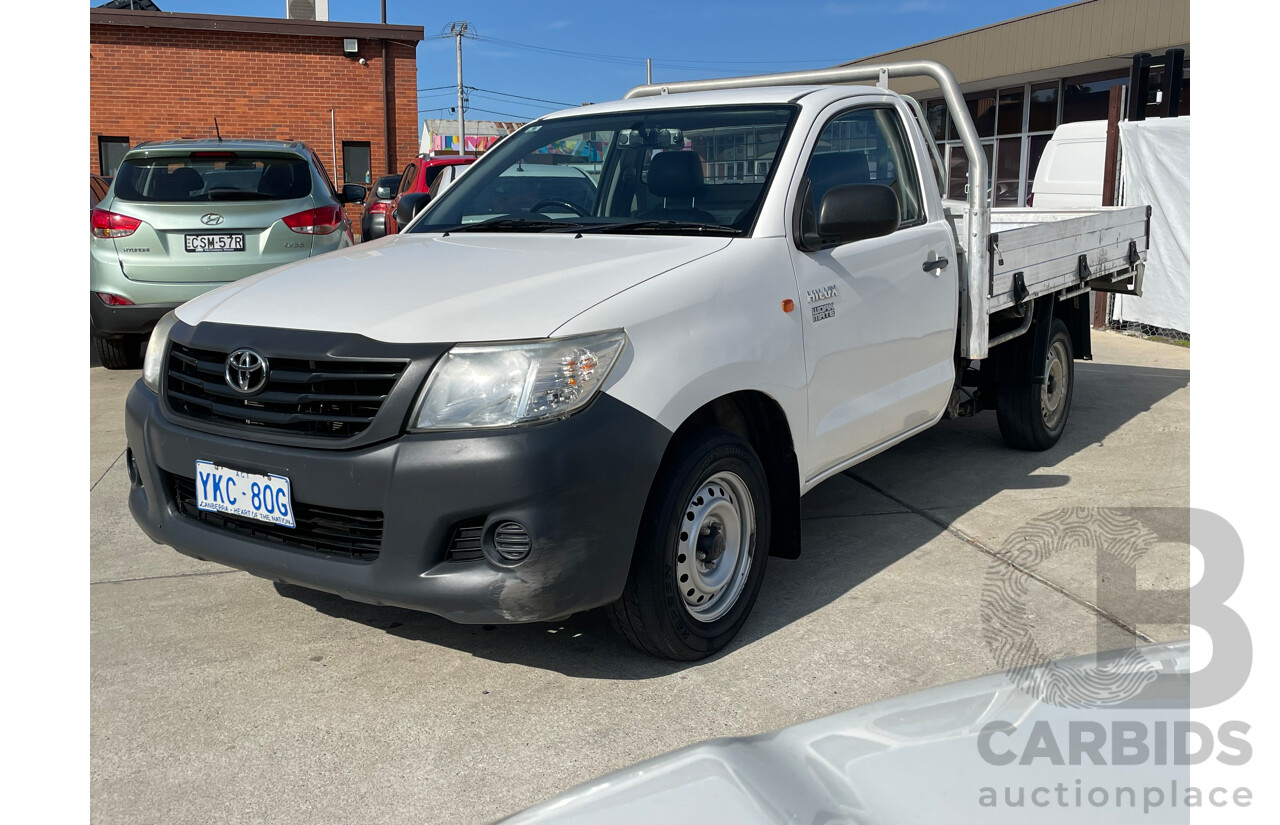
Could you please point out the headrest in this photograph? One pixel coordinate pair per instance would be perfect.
(178, 184)
(675, 174)
(277, 180)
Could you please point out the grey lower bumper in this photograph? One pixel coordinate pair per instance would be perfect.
(579, 485)
(137, 319)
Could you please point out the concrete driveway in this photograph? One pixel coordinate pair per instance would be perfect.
(220, 697)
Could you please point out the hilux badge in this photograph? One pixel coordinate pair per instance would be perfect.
(825, 293)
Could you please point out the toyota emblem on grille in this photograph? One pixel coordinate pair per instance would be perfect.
(211, 219)
(246, 371)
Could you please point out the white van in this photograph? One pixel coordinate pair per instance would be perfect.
(1070, 172)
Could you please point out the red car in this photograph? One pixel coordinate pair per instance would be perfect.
(419, 176)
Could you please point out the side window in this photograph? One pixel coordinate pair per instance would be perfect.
(324, 173)
(407, 179)
(433, 172)
(866, 146)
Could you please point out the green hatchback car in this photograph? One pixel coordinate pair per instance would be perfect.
(185, 216)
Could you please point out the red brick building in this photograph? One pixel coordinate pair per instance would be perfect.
(160, 75)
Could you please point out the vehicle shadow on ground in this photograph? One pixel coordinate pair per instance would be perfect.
(956, 465)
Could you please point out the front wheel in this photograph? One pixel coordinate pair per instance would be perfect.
(700, 556)
(124, 353)
(1033, 415)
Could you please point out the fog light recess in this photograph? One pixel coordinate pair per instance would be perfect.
(512, 541)
(131, 466)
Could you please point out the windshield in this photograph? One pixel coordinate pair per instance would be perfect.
(667, 171)
(213, 176)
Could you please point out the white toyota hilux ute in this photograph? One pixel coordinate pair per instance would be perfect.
(603, 367)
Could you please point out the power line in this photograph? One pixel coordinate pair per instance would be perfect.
(484, 98)
(504, 114)
(623, 61)
(522, 97)
(672, 63)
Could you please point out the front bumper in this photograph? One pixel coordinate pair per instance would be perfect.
(578, 485)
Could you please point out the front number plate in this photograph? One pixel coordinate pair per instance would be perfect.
(220, 242)
(236, 493)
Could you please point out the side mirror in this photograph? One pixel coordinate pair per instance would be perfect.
(856, 211)
(410, 205)
(352, 193)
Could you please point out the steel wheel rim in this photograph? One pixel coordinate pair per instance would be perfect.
(715, 546)
(1053, 394)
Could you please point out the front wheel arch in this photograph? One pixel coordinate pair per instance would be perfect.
(759, 419)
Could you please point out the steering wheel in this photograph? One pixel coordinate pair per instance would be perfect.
(537, 207)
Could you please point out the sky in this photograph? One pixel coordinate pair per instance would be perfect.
(564, 54)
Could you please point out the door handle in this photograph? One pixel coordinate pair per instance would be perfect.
(936, 263)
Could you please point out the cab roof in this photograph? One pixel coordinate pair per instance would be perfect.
(754, 96)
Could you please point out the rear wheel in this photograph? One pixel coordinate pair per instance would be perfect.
(124, 353)
(1034, 415)
(700, 557)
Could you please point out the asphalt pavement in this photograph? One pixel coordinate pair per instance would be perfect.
(220, 697)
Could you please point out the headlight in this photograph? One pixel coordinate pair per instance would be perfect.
(153, 364)
(499, 385)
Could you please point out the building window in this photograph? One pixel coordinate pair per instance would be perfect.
(1013, 125)
(1011, 112)
(355, 162)
(982, 109)
(1086, 97)
(1044, 107)
(111, 151)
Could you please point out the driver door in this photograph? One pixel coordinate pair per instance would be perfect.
(879, 313)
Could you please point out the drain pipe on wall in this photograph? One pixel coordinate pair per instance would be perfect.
(386, 114)
(333, 141)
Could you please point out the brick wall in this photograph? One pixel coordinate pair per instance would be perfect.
(158, 83)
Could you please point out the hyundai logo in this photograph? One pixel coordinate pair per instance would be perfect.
(246, 371)
(211, 219)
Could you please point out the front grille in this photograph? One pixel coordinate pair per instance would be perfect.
(327, 399)
(352, 534)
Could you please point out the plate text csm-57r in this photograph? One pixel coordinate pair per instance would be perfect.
(215, 242)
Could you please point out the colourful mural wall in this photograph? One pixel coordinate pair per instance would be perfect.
(475, 143)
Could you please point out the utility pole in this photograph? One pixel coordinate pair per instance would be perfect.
(460, 29)
(648, 70)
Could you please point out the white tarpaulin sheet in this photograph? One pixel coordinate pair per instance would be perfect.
(1157, 173)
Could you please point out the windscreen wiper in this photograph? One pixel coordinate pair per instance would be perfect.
(505, 224)
(661, 224)
(237, 195)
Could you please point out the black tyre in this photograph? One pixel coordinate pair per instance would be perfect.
(700, 555)
(119, 353)
(1033, 416)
